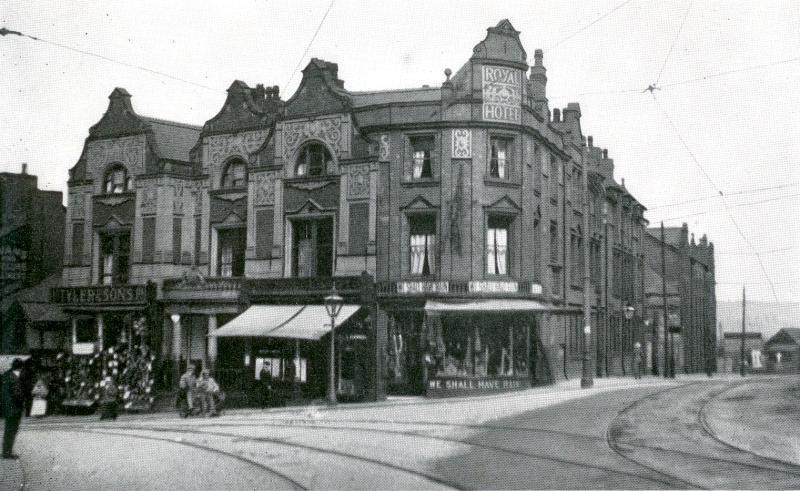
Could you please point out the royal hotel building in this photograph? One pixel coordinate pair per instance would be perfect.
(451, 218)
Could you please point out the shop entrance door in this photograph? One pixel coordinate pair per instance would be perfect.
(405, 370)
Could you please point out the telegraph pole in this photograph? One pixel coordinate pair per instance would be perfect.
(741, 360)
(664, 303)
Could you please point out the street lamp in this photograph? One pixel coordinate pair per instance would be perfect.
(653, 346)
(333, 304)
(627, 311)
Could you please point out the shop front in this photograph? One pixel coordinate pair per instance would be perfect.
(112, 337)
(444, 346)
(287, 348)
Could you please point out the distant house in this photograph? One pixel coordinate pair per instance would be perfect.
(732, 350)
(783, 351)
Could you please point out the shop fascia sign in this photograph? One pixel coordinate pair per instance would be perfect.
(482, 383)
(99, 295)
(423, 287)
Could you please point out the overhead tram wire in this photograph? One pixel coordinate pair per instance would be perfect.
(638, 90)
(672, 46)
(4, 31)
(575, 33)
(724, 201)
(308, 47)
(735, 193)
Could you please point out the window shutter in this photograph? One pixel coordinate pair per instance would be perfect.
(264, 226)
(77, 243)
(148, 239)
(359, 228)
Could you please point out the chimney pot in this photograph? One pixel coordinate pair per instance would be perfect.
(605, 153)
(24, 167)
(556, 115)
(591, 141)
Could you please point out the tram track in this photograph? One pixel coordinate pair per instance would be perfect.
(792, 470)
(292, 482)
(239, 437)
(668, 483)
(703, 423)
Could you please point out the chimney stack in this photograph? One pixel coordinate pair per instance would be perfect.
(556, 115)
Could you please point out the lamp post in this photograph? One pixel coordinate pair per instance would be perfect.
(627, 311)
(333, 304)
(653, 345)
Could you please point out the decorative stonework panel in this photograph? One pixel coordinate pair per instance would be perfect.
(149, 200)
(265, 188)
(384, 149)
(77, 205)
(462, 144)
(128, 150)
(177, 202)
(502, 94)
(220, 147)
(331, 131)
(358, 181)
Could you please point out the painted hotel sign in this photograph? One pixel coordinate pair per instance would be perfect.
(100, 295)
(502, 94)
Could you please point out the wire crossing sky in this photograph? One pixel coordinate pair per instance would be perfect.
(725, 73)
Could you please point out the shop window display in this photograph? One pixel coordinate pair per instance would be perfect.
(481, 347)
(129, 363)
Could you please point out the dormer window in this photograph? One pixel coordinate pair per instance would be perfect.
(314, 159)
(235, 175)
(117, 180)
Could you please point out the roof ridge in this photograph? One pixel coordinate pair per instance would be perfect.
(169, 122)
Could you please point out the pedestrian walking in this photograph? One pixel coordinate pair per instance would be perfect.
(188, 386)
(13, 401)
(39, 392)
(637, 360)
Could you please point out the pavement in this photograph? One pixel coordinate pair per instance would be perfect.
(441, 455)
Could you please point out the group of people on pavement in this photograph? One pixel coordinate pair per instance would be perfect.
(204, 390)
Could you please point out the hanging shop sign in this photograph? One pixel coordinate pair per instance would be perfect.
(458, 386)
(100, 295)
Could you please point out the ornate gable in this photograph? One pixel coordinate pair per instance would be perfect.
(119, 119)
(320, 92)
(246, 109)
(502, 44)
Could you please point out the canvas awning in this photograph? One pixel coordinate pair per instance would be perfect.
(487, 305)
(284, 321)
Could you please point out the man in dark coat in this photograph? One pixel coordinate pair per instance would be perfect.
(13, 406)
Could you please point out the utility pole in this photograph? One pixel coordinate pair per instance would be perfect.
(664, 303)
(741, 360)
(587, 375)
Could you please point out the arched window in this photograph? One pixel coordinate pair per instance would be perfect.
(117, 180)
(314, 159)
(235, 175)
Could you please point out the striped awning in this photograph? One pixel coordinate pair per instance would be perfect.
(284, 321)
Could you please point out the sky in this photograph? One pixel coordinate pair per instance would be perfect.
(736, 132)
